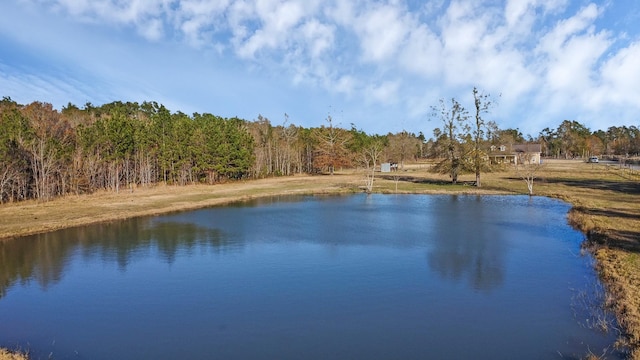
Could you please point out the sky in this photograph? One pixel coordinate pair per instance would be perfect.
(380, 66)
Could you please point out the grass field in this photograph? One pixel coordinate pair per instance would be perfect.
(605, 199)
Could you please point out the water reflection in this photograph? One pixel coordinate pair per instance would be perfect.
(469, 247)
(22, 262)
(468, 240)
(43, 257)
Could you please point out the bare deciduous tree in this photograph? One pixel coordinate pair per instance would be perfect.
(527, 167)
(482, 105)
(370, 157)
(453, 119)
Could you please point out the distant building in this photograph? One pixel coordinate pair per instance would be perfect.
(516, 153)
(388, 167)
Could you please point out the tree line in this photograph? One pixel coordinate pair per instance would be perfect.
(45, 153)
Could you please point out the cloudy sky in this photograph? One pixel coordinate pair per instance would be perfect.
(379, 65)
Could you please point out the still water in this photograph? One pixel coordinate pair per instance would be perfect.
(338, 277)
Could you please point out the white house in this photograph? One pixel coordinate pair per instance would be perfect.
(516, 153)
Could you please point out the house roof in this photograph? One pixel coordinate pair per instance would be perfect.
(512, 150)
(527, 148)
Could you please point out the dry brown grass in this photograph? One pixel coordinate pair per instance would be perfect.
(12, 355)
(605, 199)
(621, 271)
(606, 203)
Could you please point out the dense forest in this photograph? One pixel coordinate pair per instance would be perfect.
(45, 153)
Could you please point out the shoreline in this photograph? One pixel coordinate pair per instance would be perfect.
(6, 354)
(608, 216)
(33, 217)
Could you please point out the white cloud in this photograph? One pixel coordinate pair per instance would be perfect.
(569, 56)
(520, 15)
(382, 30)
(423, 53)
(194, 18)
(385, 93)
(345, 84)
(342, 12)
(464, 33)
(152, 29)
(620, 78)
(145, 16)
(276, 19)
(553, 42)
(319, 37)
(548, 59)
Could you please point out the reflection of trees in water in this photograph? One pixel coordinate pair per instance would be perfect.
(170, 237)
(26, 259)
(43, 257)
(466, 248)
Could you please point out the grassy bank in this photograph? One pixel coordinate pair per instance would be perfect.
(12, 355)
(605, 199)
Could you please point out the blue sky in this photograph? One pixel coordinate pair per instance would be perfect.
(379, 65)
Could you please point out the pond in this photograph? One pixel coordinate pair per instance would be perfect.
(340, 277)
